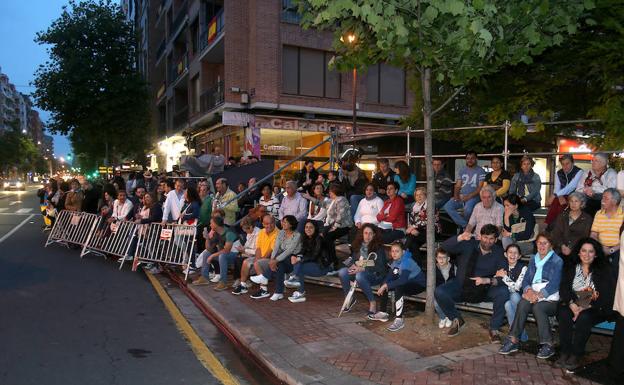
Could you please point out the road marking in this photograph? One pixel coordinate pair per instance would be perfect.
(204, 355)
(14, 203)
(24, 211)
(22, 223)
(3, 209)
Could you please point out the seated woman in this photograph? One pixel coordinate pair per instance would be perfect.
(248, 249)
(512, 276)
(540, 296)
(406, 180)
(498, 178)
(571, 225)
(368, 208)
(391, 218)
(367, 240)
(287, 244)
(189, 214)
(416, 233)
(317, 212)
(313, 260)
(518, 222)
(405, 278)
(268, 200)
(587, 292)
(445, 270)
(527, 184)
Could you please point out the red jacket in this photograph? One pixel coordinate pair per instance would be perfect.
(396, 213)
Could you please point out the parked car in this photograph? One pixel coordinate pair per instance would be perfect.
(14, 184)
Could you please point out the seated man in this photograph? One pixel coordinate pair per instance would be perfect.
(223, 239)
(468, 184)
(477, 264)
(488, 211)
(607, 225)
(264, 248)
(595, 181)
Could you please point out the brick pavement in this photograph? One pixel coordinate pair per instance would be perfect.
(306, 343)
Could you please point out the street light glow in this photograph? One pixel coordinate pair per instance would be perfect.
(349, 38)
(62, 159)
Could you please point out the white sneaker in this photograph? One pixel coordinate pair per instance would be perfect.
(277, 297)
(236, 284)
(447, 323)
(297, 297)
(292, 283)
(211, 275)
(259, 279)
(442, 323)
(216, 278)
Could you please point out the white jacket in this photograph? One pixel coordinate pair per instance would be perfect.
(173, 206)
(121, 212)
(367, 210)
(607, 180)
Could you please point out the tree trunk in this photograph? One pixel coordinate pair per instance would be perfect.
(428, 139)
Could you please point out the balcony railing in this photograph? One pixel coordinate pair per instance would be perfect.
(212, 98)
(180, 65)
(180, 118)
(161, 91)
(161, 48)
(212, 31)
(177, 21)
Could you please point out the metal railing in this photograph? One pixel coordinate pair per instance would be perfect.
(204, 38)
(212, 98)
(179, 18)
(178, 67)
(161, 48)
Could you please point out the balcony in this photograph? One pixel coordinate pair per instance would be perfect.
(212, 98)
(179, 68)
(180, 118)
(161, 91)
(179, 18)
(212, 32)
(161, 49)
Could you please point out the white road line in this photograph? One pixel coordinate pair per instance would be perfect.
(13, 230)
(24, 211)
(3, 209)
(14, 203)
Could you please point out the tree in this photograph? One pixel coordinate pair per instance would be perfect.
(443, 42)
(91, 86)
(18, 152)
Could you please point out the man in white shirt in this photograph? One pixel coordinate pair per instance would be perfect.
(486, 212)
(595, 181)
(174, 203)
(122, 207)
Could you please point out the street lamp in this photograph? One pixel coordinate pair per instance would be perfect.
(350, 39)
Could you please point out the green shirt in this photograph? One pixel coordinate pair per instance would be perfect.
(205, 211)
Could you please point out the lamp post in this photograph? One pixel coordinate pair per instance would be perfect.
(350, 39)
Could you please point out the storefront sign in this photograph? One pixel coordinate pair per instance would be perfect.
(301, 125)
(239, 119)
(571, 145)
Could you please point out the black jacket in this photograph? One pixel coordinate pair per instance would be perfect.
(440, 278)
(604, 281)
(314, 250)
(155, 214)
(302, 178)
(380, 181)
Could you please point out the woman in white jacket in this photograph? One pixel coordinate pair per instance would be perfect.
(368, 208)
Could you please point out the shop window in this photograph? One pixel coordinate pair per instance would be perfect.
(289, 12)
(305, 72)
(385, 84)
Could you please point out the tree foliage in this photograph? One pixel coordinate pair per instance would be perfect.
(447, 44)
(19, 153)
(90, 84)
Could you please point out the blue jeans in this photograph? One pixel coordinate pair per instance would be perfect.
(448, 294)
(354, 201)
(452, 206)
(311, 269)
(364, 280)
(439, 310)
(510, 310)
(284, 267)
(225, 260)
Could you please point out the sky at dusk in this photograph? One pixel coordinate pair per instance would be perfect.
(20, 56)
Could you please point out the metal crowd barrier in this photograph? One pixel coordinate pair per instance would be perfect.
(172, 244)
(72, 227)
(115, 238)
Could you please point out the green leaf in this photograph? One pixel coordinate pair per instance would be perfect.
(476, 26)
(486, 35)
(429, 15)
(456, 7)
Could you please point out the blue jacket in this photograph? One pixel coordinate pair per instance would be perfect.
(551, 272)
(403, 270)
(406, 187)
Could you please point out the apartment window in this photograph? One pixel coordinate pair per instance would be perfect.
(385, 84)
(289, 12)
(305, 72)
(195, 92)
(195, 37)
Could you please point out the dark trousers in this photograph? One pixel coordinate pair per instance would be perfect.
(449, 293)
(284, 267)
(413, 244)
(541, 311)
(414, 286)
(616, 355)
(390, 236)
(573, 335)
(330, 239)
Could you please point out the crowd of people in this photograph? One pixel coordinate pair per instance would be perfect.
(269, 233)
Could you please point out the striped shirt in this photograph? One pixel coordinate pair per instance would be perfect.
(608, 229)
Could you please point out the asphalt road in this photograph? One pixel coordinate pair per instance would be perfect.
(64, 320)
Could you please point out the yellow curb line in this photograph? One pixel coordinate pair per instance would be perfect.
(204, 355)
